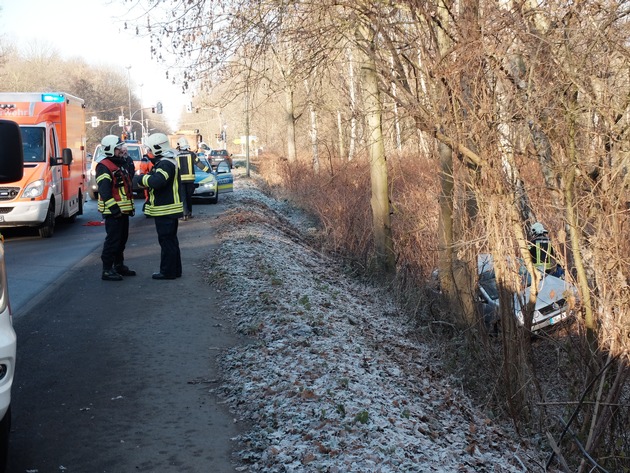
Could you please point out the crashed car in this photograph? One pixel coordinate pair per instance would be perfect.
(554, 301)
(208, 185)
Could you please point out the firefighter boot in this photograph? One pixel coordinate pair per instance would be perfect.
(124, 270)
(111, 275)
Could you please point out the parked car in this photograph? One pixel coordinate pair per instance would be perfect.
(208, 185)
(135, 150)
(11, 170)
(554, 301)
(218, 155)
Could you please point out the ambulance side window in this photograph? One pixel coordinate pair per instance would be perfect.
(52, 144)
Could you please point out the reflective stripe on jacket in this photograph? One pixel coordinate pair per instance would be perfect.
(163, 182)
(542, 254)
(114, 187)
(185, 161)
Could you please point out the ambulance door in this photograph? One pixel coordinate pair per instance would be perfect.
(54, 158)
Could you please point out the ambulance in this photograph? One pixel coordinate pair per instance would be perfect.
(55, 174)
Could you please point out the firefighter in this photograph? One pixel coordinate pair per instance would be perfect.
(186, 159)
(164, 204)
(542, 252)
(114, 174)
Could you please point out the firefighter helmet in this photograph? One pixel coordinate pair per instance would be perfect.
(538, 229)
(159, 144)
(182, 144)
(110, 143)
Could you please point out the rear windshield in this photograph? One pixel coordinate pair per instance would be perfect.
(134, 152)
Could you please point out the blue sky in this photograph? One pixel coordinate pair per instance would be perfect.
(93, 30)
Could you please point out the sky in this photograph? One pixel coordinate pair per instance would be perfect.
(93, 30)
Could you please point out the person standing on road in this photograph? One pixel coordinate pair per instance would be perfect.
(186, 159)
(165, 204)
(114, 174)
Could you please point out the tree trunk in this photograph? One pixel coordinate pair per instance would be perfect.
(385, 261)
(342, 146)
(313, 130)
(353, 106)
(290, 123)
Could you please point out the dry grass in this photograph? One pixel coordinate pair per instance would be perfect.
(339, 198)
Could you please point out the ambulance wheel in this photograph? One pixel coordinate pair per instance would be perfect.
(47, 228)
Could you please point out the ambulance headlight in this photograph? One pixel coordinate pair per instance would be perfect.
(34, 189)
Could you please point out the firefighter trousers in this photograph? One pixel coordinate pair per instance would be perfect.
(170, 255)
(188, 189)
(117, 233)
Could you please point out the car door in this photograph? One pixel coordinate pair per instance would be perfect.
(225, 178)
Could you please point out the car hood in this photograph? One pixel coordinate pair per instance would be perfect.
(550, 290)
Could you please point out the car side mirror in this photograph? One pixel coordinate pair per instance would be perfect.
(11, 152)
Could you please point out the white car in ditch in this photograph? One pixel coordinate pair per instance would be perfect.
(554, 301)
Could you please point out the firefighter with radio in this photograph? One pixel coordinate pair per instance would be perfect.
(164, 204)
(114, 175)
(186, 160)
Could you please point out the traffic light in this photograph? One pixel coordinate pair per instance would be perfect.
(121, 120)
(158, 107)
(152, 109)
(95, 122)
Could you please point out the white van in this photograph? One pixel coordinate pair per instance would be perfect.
(11, 170)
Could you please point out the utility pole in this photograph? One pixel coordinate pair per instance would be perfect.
(129, 90)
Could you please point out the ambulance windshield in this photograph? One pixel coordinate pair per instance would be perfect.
(33, 144)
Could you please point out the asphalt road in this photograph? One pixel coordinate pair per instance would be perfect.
(117, 376)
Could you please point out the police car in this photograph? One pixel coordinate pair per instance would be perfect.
(208, 185)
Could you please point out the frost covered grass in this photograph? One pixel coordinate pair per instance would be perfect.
(334, 380)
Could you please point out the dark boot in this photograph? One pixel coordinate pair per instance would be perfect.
(124, 270)
(111, 275)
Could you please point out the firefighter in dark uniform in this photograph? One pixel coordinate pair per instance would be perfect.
(114, 175)
(186, 159)
(165, 204)
(542, 251)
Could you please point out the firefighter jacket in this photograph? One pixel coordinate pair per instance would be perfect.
(186, 160)
(115, 188)
(542, 254)
(163, 183)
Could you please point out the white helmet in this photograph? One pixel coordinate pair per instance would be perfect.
(110, 143)
(538, 229)
(159, 144)
(182, 144)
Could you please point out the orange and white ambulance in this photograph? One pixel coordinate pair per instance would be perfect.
(55, 174)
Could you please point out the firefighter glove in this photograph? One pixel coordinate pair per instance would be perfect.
(137, 180)
(115, 210)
